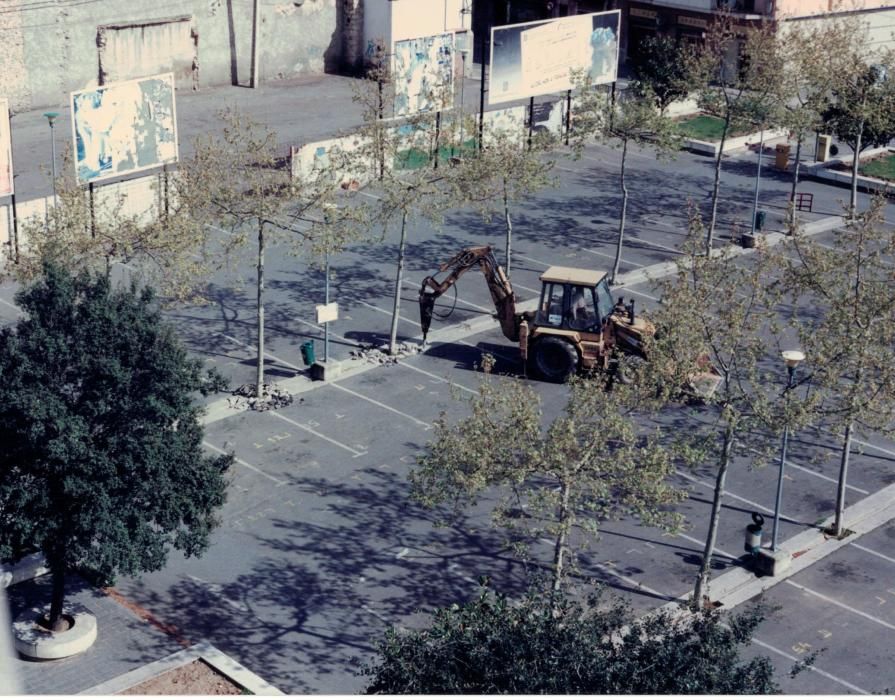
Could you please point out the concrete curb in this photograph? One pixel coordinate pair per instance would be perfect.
(734, 144)
(808, 547)
(27, 568)
(205, 651)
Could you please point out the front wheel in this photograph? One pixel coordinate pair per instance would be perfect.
(555, 359)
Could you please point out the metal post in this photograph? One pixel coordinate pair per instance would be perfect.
(789, 385)
(482, 95)
(15, 230)
(757, 182)
(531, 119)
(437, 137)
(326, 301)
(51, 118)
(255, 29)
(568, 115)
(92, 210)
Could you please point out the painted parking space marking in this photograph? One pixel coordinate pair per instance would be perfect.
(755, 505)
(835, 602)
(825, 477)
(872, 446)
(436, 377)
(309, 429)
(389, 313)
(873, 552)
(815, 669)
(266, 354)
(11, 305)
(641, 294)
(534, 260)
(611, 256)
(425, 425)
(243, 463)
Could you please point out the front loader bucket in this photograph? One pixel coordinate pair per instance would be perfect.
(427, 305)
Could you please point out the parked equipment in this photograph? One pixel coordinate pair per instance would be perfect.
(576, 327)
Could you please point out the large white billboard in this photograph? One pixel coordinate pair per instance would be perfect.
(423, 71)
(124, 127)
(6, 186)
(536, 58)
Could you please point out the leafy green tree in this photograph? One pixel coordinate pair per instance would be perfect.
(163, 245)
(862, 112)
(721, 317)
(397, 158)
(555, 645)
(849, 339)
(237, 180)
(660, 71)
(744, 95)
(503, 172)
(816, 55)
(101, 459)
(632, 119)
(591, 464)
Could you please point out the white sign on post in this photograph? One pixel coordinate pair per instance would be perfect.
(327, 312)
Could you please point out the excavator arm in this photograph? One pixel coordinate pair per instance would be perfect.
(498, 284)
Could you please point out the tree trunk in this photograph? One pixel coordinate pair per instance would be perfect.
(624, 213)
(856, 163)
(559, 550)
(839, 523)
(509, 224)
(56, 622)
(702, 580)
(399, 280)
(795, 184)
(259, 391)
(715, 189)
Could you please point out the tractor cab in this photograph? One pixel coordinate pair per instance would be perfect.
(574, 299)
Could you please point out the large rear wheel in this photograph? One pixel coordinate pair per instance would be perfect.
(555, 359)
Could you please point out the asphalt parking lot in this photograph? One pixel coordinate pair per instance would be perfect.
(320, 546)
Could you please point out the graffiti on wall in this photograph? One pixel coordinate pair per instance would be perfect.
(423, 70)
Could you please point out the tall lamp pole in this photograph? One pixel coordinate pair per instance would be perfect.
(792, 359)
(51, 118)
(757, 181)
(328, 210)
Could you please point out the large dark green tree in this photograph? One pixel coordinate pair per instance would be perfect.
(101, 460)
(551, 644)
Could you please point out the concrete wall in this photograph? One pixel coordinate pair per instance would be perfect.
(803, 8)
(394, 20)
(49, 49)
(879, 26)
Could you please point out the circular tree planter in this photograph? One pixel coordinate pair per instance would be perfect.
(37, 642)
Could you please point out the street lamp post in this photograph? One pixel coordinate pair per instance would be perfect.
(51, 118)
(757, 181)
(792, 359)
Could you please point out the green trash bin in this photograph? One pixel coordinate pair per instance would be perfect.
(307, 353)
(760, 217)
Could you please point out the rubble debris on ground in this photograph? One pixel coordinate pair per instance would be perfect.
(378, 355)
(273, 397)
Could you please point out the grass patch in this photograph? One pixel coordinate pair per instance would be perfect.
(882, 168)
(706, 128)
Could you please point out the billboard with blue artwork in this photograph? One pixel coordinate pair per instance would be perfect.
(537, 58)
(423, 70)
(124, 127)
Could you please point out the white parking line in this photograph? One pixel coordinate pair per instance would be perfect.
(641, 294)
(389, 313)
(435, 376)
(711, 488)
(278, 482)
(535, 261)
(832, 601)
(307, 428)
(872, 551)
(610, 256)
(266, 354)
(815, 669)
(427, 426)
(11, 305)
(825, 477)
(872, 446)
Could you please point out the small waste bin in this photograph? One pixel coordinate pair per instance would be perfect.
(781, 160)
(760, 217)
(307, 353)
(753, 534)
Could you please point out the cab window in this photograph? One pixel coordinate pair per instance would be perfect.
(550, 312)
(582, 309)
